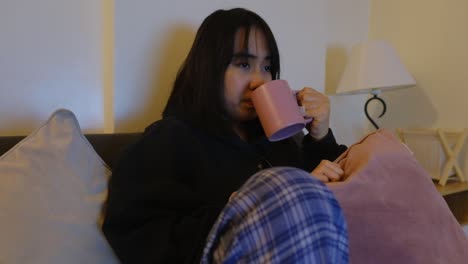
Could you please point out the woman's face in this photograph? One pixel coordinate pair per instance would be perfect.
(249, 68)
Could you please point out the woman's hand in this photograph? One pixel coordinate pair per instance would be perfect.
(328, 171)
(317, 106)
(232, 196)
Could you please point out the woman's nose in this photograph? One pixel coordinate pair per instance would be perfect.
(257, 80)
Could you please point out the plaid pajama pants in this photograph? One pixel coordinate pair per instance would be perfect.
(280, 215)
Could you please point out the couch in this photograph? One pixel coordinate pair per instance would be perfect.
(108, 146)
(53, 185)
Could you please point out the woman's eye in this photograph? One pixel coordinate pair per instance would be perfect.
(243, 65)
(268, 68)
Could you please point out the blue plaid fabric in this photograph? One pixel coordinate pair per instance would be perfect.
(280, 215)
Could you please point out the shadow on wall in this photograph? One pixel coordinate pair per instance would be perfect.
(335, 63)
(162, 70)
(406, 108)
(21, 123)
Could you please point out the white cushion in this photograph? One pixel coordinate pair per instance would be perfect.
(52, 188)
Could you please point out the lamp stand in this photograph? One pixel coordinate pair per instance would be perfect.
(375, 97)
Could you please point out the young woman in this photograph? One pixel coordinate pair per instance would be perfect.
(169, 188)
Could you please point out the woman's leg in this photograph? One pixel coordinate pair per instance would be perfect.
(280, 215)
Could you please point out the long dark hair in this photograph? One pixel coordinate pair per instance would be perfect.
(198, 92)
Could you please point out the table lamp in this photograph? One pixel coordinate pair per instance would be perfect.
(373, 67)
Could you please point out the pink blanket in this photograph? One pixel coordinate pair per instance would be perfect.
(393, 211)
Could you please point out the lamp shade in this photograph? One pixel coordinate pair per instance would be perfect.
(373, 66)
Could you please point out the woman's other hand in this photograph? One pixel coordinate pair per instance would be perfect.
(328, 171)
(232, 196)
(317, 106)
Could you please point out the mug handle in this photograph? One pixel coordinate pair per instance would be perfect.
(307, 120)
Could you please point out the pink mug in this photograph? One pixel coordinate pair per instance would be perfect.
(276, 106)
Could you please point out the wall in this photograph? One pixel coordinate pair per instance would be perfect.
(50, 57)
(112, 62)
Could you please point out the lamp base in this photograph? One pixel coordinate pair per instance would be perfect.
(375, 97)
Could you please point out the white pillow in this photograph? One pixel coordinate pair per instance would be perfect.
(52, 188)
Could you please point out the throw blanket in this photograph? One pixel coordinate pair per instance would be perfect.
(393, 210)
